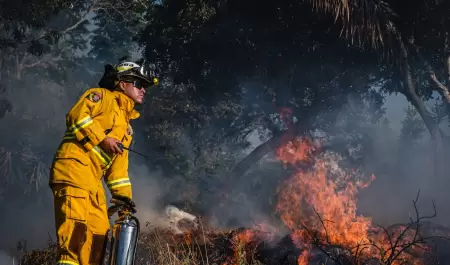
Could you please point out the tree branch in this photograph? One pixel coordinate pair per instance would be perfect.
(43, 61)
(409, 91)
(448, 70)
(83, 18)
(443, 89)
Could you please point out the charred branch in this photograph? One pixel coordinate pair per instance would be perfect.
(400, 239)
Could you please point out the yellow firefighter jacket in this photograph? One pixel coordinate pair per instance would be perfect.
(79, 160)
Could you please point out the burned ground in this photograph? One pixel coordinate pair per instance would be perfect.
(246, 246)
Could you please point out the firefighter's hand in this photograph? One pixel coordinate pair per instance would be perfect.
(123, 200)
(111, 145)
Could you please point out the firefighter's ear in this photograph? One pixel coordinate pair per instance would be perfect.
(122, 85)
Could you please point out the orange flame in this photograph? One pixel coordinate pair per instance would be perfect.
(315, 208)
(241, 242)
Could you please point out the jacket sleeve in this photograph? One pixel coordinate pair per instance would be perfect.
(80, 119)
(116, 177)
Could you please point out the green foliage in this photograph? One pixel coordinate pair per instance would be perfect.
(227, 72)
(228, 68)
(44, 65)
(115, 29)
(253, 47)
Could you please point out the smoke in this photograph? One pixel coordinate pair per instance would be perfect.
(402, 168)
(400, 171)
(38, 119)
(148, 194)
(6, 259)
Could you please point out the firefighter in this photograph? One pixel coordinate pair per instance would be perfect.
(90, 152)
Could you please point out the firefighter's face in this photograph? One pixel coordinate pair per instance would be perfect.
(135, 90)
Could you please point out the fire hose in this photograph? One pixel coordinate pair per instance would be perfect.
(120, 145)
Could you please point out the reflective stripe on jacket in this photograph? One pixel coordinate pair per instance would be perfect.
(79, 160)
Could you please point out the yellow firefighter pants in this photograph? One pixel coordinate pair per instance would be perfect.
(81, 224)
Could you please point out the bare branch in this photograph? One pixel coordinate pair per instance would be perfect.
(448, 70)
(81, 19)
(43, 61)
(443, 90)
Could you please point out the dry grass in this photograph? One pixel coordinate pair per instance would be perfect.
(161, 247)
(204, 247)
(45, 256)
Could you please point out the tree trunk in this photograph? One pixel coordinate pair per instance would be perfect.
(259, 152)
(410, 92)
(293, 130)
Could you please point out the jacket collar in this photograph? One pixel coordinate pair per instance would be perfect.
(126, 104)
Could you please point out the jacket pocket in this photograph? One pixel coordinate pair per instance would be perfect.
(71, 150)
(72, 203)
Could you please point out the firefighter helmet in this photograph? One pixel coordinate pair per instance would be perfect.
(130, 70)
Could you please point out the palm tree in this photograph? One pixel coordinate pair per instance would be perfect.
(362, 21)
